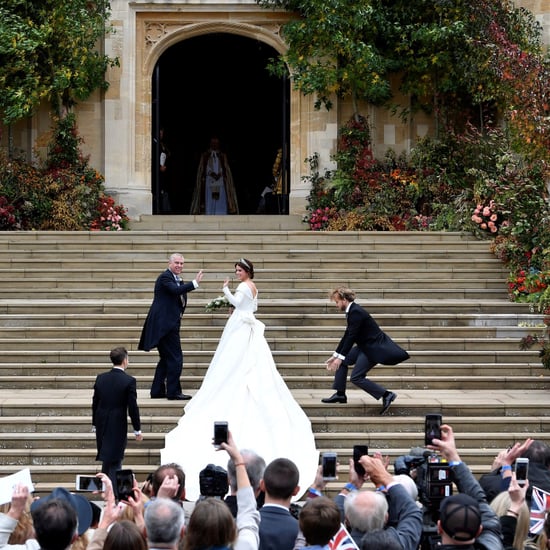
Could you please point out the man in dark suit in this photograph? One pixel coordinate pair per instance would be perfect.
(372, 346)
(162, 328)
(278, 527)
(115, 397)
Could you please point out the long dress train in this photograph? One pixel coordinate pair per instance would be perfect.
(243, 387)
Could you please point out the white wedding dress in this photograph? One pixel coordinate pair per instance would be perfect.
(243, 387)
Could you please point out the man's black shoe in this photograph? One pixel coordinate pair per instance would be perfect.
(387, 401)
(179, 397)
(335, 399)
(160, 396)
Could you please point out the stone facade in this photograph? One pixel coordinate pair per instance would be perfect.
(117, 126)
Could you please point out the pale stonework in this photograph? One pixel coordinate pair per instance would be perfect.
(117, 125)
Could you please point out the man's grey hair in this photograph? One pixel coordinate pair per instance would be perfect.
(164, 521)
(255, 466)
(366, 510)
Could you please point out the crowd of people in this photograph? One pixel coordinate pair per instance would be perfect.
(268, 492)
(254, 509)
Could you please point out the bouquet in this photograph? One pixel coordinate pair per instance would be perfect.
(217, 303)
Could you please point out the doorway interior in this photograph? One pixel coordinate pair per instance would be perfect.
(219, 84)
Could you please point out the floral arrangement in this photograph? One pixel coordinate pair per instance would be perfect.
(217, 303)
(528, 285)
(486, 217)
(319, 218)
(111, 217)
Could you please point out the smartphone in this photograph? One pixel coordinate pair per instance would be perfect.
(88, 483)
(522, 469)
(125, 484)
(329, 465)
(358, 452)
(221, 433)
(432, 428)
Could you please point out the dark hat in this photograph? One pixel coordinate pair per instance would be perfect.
(80, 504)
(460, 517)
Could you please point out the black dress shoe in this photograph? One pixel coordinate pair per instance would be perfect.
(387, 401)
(179, 397)
(335, 399)
(163, 396)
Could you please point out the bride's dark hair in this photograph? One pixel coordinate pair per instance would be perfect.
(247, 265)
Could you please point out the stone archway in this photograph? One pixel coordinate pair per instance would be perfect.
(158, 32)
(218, 84)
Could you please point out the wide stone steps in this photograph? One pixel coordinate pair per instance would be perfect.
(67, 298)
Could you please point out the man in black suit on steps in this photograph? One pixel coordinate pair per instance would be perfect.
(162, 328)
(372, 346)
(115, 397)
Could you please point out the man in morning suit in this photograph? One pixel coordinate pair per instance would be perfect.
(278, 527)
(372, 346)
(162, 328)
(115, 397)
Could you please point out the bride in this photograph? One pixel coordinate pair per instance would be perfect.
(243, 387)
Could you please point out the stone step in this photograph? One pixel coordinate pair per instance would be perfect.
(273, 321)
(315, 309)
(281, 357)
(273, 331)
(435, 381)
(51, 432)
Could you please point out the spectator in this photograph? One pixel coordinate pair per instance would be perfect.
(255, 467)
(125, 535)
(58, 519)
(467, 514)
(164, 524)
(379, 539)
(498, 480)
(514, 514)
(211, 523)
(390, 507)
(278, 528)
(319, 521)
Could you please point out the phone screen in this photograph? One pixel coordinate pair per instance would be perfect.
(522, 467)
(88, 483)
(221, 430)
(432, 428)
(125, 484)
(329, 465)
(358, 452)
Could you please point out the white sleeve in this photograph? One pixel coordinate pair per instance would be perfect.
(234, 299)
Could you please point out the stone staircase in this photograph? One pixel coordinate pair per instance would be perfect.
(67, 298)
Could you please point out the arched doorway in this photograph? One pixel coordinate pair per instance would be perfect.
(218, 83)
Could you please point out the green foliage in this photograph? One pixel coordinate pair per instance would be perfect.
(48, 50)
(64, 194)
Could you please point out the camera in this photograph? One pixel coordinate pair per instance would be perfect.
(329, 466)
(358, 452)
(213, 481)
(432, 428)
(221, 433)
(125, 484)
(88, 483)
(522, 468)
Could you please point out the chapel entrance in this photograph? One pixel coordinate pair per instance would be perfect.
(219, 84)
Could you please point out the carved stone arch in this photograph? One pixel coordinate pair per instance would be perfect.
(155, 35)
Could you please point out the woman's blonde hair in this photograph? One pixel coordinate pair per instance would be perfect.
(500, 504)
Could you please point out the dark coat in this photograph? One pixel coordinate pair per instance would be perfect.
(364, 331)
(115, 398)
(278, 528)
(169, 301)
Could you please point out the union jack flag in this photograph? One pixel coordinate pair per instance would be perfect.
(540, 502)
(342, 540)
